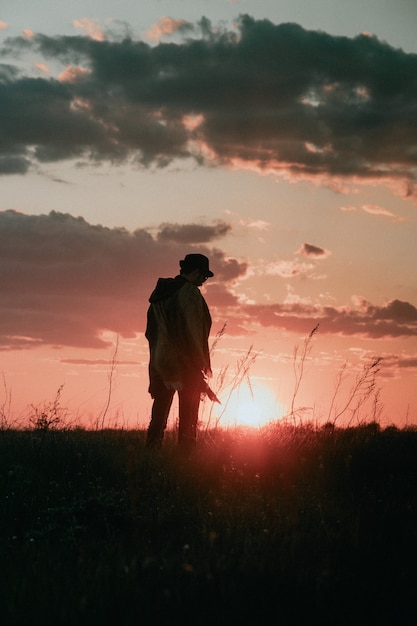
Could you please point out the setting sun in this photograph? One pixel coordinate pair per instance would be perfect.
(248, 406)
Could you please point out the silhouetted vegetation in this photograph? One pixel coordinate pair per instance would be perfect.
(287, 525)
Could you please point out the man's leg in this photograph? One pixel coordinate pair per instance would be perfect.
(160, 410)
(189, 402)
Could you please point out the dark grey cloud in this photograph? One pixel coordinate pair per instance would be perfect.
(393, 361)
(278, 96)
(309, 250)
(193, 233)
(394, 319)
(10, 164)
(64, 281)
(399, 310)
(408, 363)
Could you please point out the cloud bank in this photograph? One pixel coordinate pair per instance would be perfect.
(64, 282)
(394, 319)
(274, 98)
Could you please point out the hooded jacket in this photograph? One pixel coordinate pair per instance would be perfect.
(178, 328)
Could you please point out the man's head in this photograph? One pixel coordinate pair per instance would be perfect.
(196, 268)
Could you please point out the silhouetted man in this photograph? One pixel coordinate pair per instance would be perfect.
(178, 328)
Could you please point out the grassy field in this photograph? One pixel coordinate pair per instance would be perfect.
(279, 526)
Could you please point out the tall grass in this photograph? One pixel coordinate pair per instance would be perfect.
(285, 525)
(345, 405)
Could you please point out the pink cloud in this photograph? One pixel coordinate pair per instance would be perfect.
(287, 268)
(90, 27)
(375, 209)
(191, 122)
(73, 74)
(43, 68)
(165, 26)
(97, 362)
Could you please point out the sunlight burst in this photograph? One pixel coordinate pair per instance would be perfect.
(250, 407)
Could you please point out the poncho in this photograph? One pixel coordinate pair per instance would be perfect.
(178, 327)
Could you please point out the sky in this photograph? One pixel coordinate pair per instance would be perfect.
(277, 137)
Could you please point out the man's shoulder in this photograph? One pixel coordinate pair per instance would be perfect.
(189, 291)
(165, 288)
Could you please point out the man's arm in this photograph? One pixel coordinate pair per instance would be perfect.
(205, 389)
(194, 327)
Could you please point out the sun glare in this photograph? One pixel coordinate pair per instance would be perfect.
(247, 406)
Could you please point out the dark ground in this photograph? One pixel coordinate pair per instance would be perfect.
(286, 526)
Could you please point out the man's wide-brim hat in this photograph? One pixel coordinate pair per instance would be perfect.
(196, 262)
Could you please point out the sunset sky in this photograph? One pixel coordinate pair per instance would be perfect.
(278, 137)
